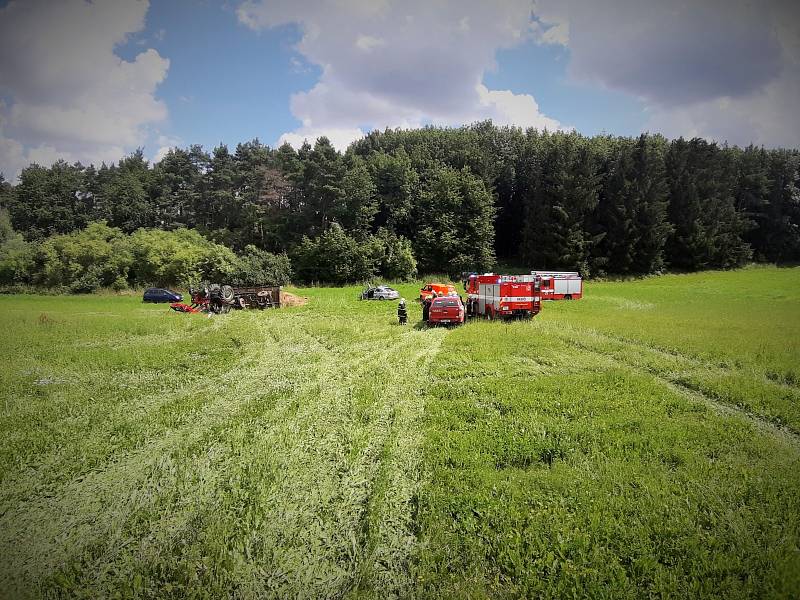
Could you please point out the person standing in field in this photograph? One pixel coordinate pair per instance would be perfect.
(402, 313)
(426, 306)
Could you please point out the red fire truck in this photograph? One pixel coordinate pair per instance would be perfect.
(560, 285)
(495, 296)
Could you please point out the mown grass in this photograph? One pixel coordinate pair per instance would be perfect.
(644, 441)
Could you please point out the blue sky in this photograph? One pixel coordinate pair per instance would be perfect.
(92, 81)
(229, 84)
(226, 84)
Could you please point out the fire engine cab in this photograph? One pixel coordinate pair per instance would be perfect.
(496, 296)
(560, 285)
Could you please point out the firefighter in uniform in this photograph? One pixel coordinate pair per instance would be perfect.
(402, 313)
(426, 306)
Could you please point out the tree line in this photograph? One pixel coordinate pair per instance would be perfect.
(441, 200)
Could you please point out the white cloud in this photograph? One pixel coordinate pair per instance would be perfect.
(507, 108)
(70, 95)
(400, 64)
(367, 42)
(165, 144)
(722, 69)
(340, 138)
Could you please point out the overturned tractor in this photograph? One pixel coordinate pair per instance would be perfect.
(219, 299)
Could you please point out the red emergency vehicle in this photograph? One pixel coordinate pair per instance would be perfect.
(496, 296)
(446, 310)
(560, 285)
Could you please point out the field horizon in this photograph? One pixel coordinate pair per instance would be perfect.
(642, 441)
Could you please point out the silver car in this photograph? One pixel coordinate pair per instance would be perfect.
(380, 292)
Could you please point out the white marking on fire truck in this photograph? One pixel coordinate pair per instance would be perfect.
(506, 299)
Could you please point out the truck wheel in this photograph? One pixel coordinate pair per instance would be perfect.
(568, 297)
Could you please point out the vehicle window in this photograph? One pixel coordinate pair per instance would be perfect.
(439, 302)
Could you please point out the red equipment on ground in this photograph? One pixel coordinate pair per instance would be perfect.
(181, 307)
(560, 285)
(503, 296)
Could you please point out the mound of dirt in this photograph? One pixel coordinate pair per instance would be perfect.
(288, 299)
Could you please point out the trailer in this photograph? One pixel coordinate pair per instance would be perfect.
(503, 296)
(257, 296)
(560, 285)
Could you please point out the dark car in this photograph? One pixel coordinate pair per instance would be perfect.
(160, 295)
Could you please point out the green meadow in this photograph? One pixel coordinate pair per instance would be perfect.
(641, 442)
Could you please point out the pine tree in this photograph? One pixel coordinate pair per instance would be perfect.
(782, 216)
(360, 199)
(322, 174)
(565, 193)
(708, 230)
(752, 194)
(455, 223)
(49, 201)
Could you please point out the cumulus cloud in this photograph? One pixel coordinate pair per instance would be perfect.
(70, 96)
(724, 69)
(401, 64)
(165, 143)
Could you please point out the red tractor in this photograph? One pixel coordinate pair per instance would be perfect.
(215, 298)
(503, 296)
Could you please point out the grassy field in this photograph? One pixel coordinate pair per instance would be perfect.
(643, 441)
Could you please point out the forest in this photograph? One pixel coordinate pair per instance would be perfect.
(398, 203)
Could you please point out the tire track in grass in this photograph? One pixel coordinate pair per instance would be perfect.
(685, 366)
(134, 512)
(56, 468)
(307, 530)
(673, 354)
(44, 531)
(675, 384)
(88, 433)
(323, 529)
(392, 509)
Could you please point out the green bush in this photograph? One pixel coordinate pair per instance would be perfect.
(396, 256)
(89, 281)
(16, 255)
(258, 266)
(182, 257)
(83, 260)
(334, 257)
